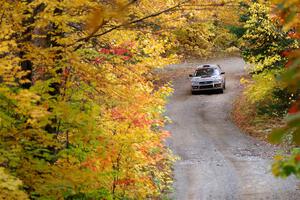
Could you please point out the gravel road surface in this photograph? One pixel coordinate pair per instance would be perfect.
(217, 161)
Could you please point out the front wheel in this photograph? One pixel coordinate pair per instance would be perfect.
(221, 91)
(193, 92)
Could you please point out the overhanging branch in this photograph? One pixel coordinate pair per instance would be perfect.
(173, 8)
(100, 26)
(129, 23)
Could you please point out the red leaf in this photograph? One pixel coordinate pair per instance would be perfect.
(294, 109)
(288, 64)
(104, 51)
(126, 58)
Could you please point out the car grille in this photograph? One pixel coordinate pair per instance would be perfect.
(206, 86)
(205, 82)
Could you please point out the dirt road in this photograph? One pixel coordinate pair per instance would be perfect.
(219, 162)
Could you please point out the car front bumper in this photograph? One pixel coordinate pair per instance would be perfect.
(214, 86)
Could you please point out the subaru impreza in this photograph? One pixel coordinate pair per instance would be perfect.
(208, 77)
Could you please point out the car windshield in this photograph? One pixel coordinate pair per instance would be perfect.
(207, 72)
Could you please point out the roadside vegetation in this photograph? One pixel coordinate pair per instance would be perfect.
(80, 114)
(269, 43)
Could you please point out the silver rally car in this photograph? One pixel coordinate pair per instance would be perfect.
(208, 77)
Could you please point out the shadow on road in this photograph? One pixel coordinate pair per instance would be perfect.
(207, 92)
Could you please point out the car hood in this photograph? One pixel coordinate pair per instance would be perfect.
(198, 79)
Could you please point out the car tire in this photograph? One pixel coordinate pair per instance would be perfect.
(224, 86)
(193, 93)
(221, 91)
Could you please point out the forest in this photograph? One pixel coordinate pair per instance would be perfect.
(82, 115)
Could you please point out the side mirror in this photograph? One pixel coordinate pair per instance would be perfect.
(222, 72)
(191, 75)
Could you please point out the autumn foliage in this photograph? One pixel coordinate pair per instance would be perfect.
(80, 115)
(270, 44)
(288, 13)
(80, 119)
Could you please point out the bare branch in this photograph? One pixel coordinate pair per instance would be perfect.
(139, 20)
(173, 8)
(229, 3)
(103, 23)
(128, 23)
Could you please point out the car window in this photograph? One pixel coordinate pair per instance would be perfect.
(207, 72)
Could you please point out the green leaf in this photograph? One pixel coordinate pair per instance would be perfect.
(296, 136)
(277, 135)
(289, 169)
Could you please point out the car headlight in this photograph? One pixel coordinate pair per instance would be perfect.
(195, 83)
(217, 77)
(218, 81)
